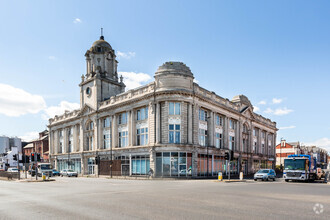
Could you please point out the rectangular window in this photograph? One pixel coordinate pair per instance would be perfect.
(106, 140)
(218, 140)
(218, 120)
(231, 143)
(106, 122)
(70, 139)
(142, 136)
(232, 124)
(142, 114)
(202, 137)
(174, 108)
(255, 132)
(122, 118)
(202, 115)
(174, 134)
(123, 139)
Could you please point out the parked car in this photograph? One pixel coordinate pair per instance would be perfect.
(12, 170)
(32, 172)
(265, 174)
(56, 173)
(69, 173)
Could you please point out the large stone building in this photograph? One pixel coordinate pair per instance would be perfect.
(172, 125)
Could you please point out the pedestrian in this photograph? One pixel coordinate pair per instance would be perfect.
(150, 173)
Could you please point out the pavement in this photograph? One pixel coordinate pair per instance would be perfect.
(102, 198)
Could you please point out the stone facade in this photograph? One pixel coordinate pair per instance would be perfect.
(171, 126)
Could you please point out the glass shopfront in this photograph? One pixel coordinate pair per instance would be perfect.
(140, 164)
(73, 164)
(173, 164)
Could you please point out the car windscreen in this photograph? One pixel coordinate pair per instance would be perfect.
(45, 166)
(263, 171)
(70, 171)
(298, 164)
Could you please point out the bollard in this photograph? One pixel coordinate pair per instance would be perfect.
(241, 176)
(220, 176)
(43, 176)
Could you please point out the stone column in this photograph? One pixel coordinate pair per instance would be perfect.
(81, 137)
(130, 129)
(133, 127)
(114, 131)
(190, 124)
(158, 123)
(65, 140)
(210, 129)
(226, 133)
(194, 162)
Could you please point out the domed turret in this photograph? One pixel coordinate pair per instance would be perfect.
(173, 76)
(174, 68)
(101, 45)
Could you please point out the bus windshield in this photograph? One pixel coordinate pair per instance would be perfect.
(297, 164)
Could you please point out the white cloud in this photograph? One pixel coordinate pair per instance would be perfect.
(77, 20)
(323, 143)
(52, 58)
(256, 108)
(278, 111)
(15, 102)
(196, 81)
(29, 136)
(133, 80)
(282, 111)
(288, 127)
(263, 102)
(60, 109)
(277, 101)
(124, 55)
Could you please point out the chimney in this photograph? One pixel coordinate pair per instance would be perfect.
(283, 143)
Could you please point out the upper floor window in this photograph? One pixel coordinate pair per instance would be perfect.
(202, 137)
(245, 129)
(90, 126)
(263, 135)
(174, 133)
(106, 122)
(70, 139)
(174, 108)
(231, 143)
(232, 124)
(122, 118)
(255, 132)
(218, 140)
(142, 114)
(202, 115)
(123, 139)
(142, 136)
(218, 120)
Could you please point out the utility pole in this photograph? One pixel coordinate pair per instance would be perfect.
(19, 172)
(36, 165)
(229, 165)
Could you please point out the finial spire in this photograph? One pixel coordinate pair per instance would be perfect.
(102, 37)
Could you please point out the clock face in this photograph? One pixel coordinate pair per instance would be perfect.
(88, 91)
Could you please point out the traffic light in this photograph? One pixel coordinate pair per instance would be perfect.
(38, 157)
(15, 157)
(32, 157)
(226, 156)
(232, 155)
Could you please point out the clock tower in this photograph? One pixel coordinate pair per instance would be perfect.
(101, 79)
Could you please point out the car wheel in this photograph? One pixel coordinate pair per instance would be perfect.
(267, 178)
(255, 179)
(61, 175)
(286, 180)
(274, 179)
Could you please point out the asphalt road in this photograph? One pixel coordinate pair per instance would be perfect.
(92, 198)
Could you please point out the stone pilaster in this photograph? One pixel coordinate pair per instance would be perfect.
(190, 124)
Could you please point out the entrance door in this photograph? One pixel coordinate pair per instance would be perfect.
(91, 165)
(125, 170)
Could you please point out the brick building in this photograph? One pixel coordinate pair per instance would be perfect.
(172, 125)
(40, 145)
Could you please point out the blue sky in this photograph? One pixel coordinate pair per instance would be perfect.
(275, 52)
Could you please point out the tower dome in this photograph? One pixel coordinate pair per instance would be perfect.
(101, 46)
(174, 76)
(174, 68)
